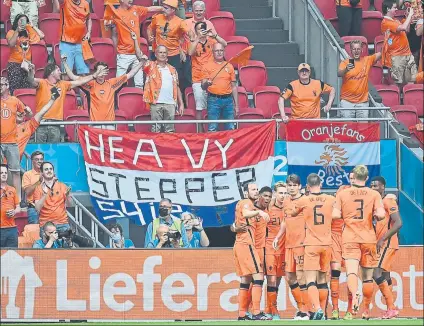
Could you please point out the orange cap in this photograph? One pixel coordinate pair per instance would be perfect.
(171, 3)
(304, 66)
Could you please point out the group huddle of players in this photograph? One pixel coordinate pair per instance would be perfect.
(301, 236)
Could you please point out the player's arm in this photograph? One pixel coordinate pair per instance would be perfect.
(238, 228)
(34, 82)
(68, 70)
(155, 9)
(279, 235)
(379, 211)
(47, 107)
(392, 231)
(337, 207)
(101, 71)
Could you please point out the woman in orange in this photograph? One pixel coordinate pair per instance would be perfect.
(19, 39)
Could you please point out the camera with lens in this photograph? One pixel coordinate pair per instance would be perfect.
(81, 241)
(174, 235)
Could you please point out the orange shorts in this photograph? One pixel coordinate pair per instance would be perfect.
(261, 255)
(294, 259)
(366, 253)
(317, 258)
(274, 265)
(385, 258)
(336, 248)
(246, 260)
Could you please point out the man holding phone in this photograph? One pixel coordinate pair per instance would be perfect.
(355, 73)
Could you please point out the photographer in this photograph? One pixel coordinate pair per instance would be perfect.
(196, 239)
(165, 218)
(118, 240)
(165, 239)
(49, 237)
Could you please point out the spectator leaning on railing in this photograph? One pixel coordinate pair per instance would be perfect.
(355, 74)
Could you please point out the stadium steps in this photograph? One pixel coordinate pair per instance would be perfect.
(254, 21)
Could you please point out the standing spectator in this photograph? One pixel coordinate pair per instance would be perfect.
(20, 38)
(118, 240)
(201, 52)
(169, 30)
(305, 96)
(10, 106)
(413, 39)
(124, 21)
(196, 235)
(419, 31)
(199, 11)
(31, 180)
(355, 73)
(9, 208)
(219, 79)
(101, 92)
(51, 134)
(28, 8)
(349, 13)
(51, 199)
(403, 66)
(162, 92)
(166, 218)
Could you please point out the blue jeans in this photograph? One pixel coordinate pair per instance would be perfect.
(74, 56)
(218, 107)
(9, 237)
(33, 217)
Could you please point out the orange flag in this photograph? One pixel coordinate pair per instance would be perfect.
(242, 57)
(87, 53)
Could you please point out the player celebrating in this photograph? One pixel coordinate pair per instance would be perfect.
(357, 206)
(245, 256)
(387, 245)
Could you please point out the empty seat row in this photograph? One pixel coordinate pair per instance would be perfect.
(412, 95)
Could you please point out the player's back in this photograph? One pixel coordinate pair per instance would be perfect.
(276, 217)
(318, 218)
(381, 227)
(337, 224)
(244, 237)
(295, 226)
(259, 229)
(357, 205)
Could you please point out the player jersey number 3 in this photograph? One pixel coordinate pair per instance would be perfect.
(360, 209)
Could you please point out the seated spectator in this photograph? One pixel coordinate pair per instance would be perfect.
(101, 92)
(30, 180)
(200, 50)
(52, 80)
(9, 208)
(403, 66)
(219, 80)
(349, 13)
(196, 235)
(28, 8)
(165, 218)
(355, 74)
(305, 96)
(49, 237)
(162, 92)
(20, 38)
(163, 240)
(51, 199)
(118, 240)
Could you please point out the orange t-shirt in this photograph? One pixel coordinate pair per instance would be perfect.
(200, 58)
(355, 82)
(73, 19)
(16, 53)
(222, 82)
(346, 3)
(420, 78)
(126, 20)
(43, 96)
(30, 178)
(54, 208)
(190, 25)
(318, 217)
(397, 43)
(102, 104)
(259, 226)
(276, 217)
(25, 131)
(9, 108)
(295, 226)
(305, 99)
(169, 33)
(337, 224)
(358, 205)
(391, 207)
(9, 200)
(249, 236)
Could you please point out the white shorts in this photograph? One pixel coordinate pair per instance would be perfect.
(356, 111)
(200, 97)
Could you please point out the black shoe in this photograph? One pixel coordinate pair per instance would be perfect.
(261, 316)
(246, 317)
(311, 315)
(23, 204)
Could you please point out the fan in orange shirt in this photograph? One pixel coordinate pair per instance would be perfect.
(387, 245)
(358, 205)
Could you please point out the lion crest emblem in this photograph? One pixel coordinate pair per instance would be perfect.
(333, 159)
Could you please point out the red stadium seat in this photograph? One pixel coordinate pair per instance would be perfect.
(389, 93)
(98, 7)
(56, 54)
(75, 115)
(143, 3)
(189, 98)
(143, 116)
(27, 96)
(378, 5)
(50, 25)
(39, 73)
(413, 94)
(4, 54)
(235, 44)
(249, 113)
(4, 12)
(335, 23)
(96, 30)
(144, 46)
(327, 8)
(122, 116)
(266, 97)
(371, 24)
(365, 4)
(70, 102)
(104, 50)
(46, 9)
(4, 73)
(348, 39)
(39, 54)
(211, 6)
(130, 100)
(186, 127)
(376, 75)
(242, 97)
(378, 47)
(224, 23)
(252, 75)
(144, 26)
(405, 114)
